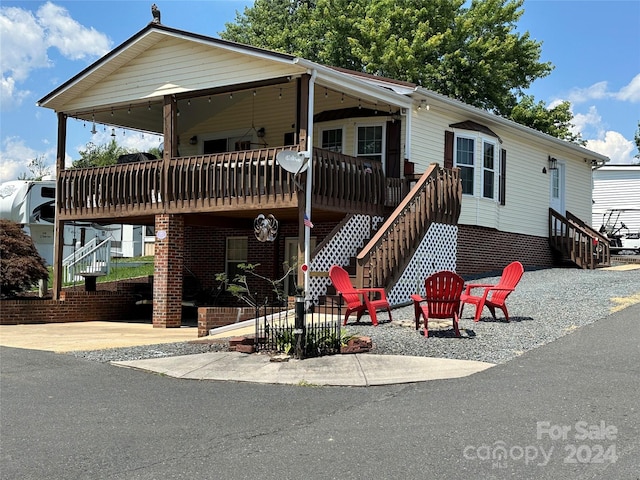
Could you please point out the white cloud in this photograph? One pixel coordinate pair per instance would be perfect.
(600, 91)
(615, 146)
(584, 121)
(630, 92)
(596, 91)
(74, 41)
(26, 38)
(15, 157)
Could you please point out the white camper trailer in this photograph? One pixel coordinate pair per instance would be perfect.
(32, 204)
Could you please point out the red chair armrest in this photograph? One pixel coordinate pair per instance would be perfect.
(417, 298)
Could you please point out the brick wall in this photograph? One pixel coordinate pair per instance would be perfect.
(483, 250)
(73, 306)
(204, 253)
(168, 271)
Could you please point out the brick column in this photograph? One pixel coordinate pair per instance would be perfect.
(167, 280)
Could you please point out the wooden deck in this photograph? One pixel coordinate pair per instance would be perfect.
(227, 182)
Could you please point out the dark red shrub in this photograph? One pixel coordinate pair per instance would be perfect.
(21, 266)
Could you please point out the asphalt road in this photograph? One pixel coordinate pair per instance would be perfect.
(569, 409)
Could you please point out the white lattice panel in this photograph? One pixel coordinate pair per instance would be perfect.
(436, 252)
(339, 250)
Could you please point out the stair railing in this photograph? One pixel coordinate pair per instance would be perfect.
(581, 244)
(435, 198)
(93, 257)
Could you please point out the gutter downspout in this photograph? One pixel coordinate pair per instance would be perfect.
(407, 141)
(309, 184)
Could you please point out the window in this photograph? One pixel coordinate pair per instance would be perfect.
(488, 169)
(464, 160)
(370, 142)
(555, 183)
(236, 254)
(332, 140)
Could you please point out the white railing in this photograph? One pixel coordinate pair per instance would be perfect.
(93, 257)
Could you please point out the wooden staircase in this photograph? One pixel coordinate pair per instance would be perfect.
(435, 198)
(574, 241)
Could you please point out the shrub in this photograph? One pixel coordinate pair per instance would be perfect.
(21, 266)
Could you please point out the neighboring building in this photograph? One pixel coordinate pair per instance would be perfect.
(31, 204)
(226, 110)
(617, 187)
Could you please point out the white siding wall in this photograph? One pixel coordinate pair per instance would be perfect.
(203, 67)
(527, 188)
(617, 187)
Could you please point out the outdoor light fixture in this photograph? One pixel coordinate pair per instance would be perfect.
(113, 132)
(261, 132)
(193, 140)
(553, 163)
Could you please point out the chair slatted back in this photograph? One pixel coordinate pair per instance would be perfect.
(442, 292)
(341, 281)
(511, 275)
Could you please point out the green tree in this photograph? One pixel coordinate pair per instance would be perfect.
(37, 169)
(21, 266)
(636, 138)
(555, 121)
(471, 53)
(99, 155)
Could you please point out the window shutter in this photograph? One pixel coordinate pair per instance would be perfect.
(448, 149)
(502, 179)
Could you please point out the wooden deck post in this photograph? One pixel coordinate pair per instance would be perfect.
(169, 119)
(58, 242)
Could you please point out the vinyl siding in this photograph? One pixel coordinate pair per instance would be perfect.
(191, 66)
(617, 187)
(527, 188)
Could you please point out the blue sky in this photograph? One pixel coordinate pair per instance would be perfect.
(594, 45)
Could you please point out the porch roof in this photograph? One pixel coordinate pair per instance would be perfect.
(77, 97)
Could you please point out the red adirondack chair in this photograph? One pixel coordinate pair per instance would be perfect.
(494, 296)
(441, 300)
(359, 300)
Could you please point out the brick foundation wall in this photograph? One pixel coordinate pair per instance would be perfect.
(204, 252)
(73, 306)
(483, 250)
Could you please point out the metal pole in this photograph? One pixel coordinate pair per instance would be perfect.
(299, 328)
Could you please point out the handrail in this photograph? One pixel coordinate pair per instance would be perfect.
(583, 245)
(572, 218)
(90, 245)
(435, 198)
(94, 259)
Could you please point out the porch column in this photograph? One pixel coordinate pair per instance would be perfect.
(170, 135)
(58, 241)
(167, 276)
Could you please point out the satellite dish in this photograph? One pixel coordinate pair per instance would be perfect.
(292, 162)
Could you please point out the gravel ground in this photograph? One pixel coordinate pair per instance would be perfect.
(546, 305)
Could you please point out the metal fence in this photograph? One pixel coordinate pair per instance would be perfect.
(320, 335)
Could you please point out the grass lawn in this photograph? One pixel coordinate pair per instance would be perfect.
(121, 268)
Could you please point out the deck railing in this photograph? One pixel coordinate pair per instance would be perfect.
(435, 198)
(580, 243)
(224, 181)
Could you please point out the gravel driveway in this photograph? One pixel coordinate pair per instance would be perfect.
(546, 305)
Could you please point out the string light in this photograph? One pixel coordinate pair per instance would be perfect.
(326, 92)
(149, 108)
(280, 95)
(129, 110)
(209, 99)
(231, 96)
(189, 102)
